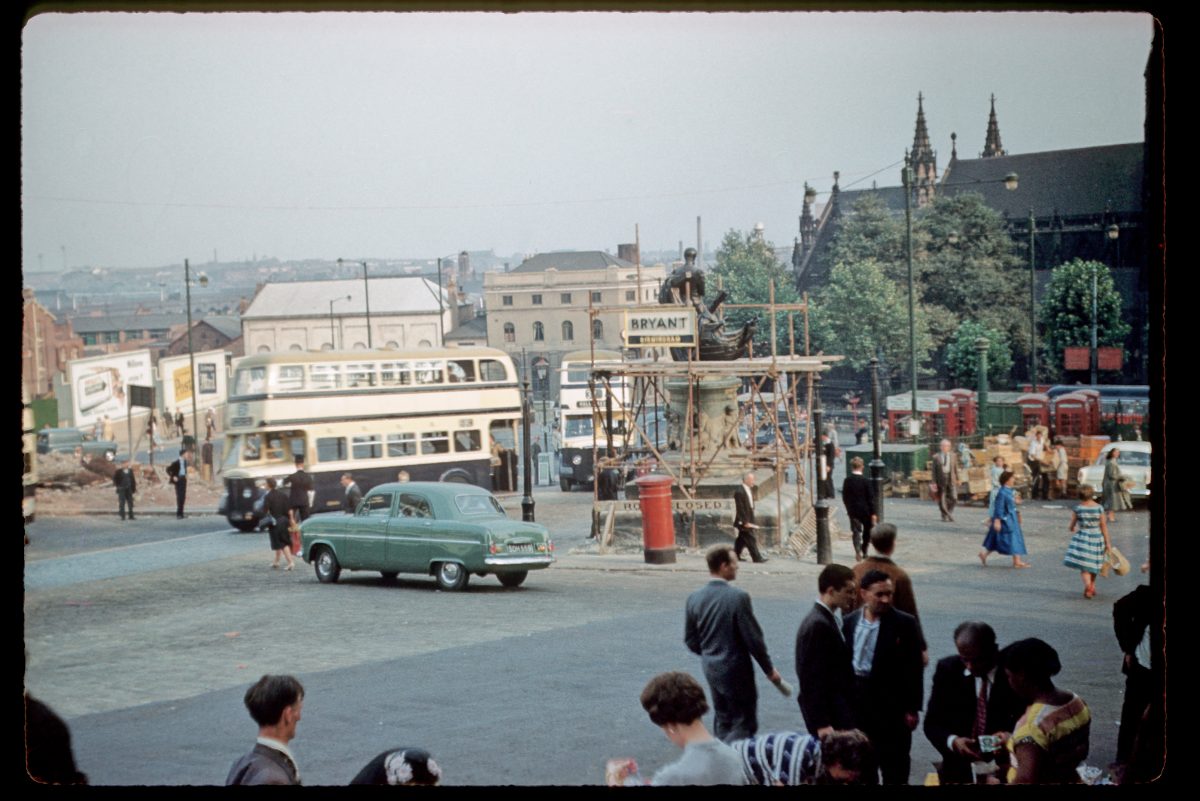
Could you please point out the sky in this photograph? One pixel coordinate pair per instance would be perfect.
(149, 138)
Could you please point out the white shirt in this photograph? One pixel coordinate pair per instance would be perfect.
(1035, 449)
(991, 678)
(749, 495)
(866, 634)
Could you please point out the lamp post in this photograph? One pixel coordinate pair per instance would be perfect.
(877, 458)
(1033, 371)
(906, 178)
(441, 309)
(332, 338)
(366, 298)
(541, 376)
(824, 547)
(526, 413)
(201, 279)
(981, 348)
(1112, 232)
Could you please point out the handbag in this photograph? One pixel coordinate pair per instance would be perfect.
(294, 530)
(1120, 565)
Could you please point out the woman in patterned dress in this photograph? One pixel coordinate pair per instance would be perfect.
(1004, 528)
(1051, 739)
(1089, 546)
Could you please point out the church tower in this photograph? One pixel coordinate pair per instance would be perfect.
(924, 161)
(992, 146)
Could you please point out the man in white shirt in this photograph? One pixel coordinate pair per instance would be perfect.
(1033, 457)
(743, 520)
(275, 704)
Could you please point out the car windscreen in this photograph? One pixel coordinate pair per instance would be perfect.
(479, 506)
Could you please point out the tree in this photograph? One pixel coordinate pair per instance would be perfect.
(746, 266)
(860, 311)
(962, 359)
(1066, 313)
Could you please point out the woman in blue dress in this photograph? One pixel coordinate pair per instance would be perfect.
(994, 472)
(1004, 529)
(1090, 545)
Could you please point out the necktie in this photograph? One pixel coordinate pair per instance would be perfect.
(980, 708)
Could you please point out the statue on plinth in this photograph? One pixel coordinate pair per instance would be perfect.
(684, 286)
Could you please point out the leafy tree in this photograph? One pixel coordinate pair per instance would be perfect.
(860, 310)
(962, 360)
(746, 266)
(873, 232)
(1066, 313)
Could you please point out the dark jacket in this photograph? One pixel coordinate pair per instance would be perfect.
(951, 711)
(856, 495)
(276, 504)
(124, 479)
(1131, 615)
(300, 483)
(263, 765)
(351, 498)
(721, 627)
(744, 512)
(896, 684)
(823, 668)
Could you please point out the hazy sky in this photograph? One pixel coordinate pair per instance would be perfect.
(148, 138)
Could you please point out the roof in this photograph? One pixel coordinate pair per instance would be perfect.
(126, 322)
(1073, 182)
(472, 329)
(388, 295)
(571, 260)
(892, 197)
(229, 326)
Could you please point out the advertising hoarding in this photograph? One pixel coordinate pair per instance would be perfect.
(98, 384)
(176, 376)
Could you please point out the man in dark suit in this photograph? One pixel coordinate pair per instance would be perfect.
(353, 496)
(743, 520)
(860, 507)
(275, 704)
(945, 480)
(885, 647)
(126, 484)
(721, 627)
(178, 472)
(823, 657)
(970, 698)
(300, 484)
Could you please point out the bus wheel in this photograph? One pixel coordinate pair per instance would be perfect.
(451, 576)
(456, 476)
(512, 579)
(326, 566)
(564, 484)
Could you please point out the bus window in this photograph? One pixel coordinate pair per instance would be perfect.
(492, 370)
(251, 381)
(401, 445)
(367, 446)
(578, 375)
(579, 426)
(360, 375)
(430, 372)
(290, 377)
(395, 374)
(331, 449)
(462, 371)
(252, 451)
(470, 440)
(231, 453)
(325, 376)
(275, 449)
(296, 444)
(435, 442)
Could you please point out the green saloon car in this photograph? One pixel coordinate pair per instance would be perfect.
(444, 530)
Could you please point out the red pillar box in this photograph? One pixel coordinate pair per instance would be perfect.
(658, 524)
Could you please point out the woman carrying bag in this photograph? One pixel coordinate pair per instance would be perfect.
(1089, 546)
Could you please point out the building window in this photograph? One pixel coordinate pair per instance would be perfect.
(597, 329)
(539, 332)
(506, 300)
(595, 297)
(565, 297)
(510, 332)
(630, 295)
(537, 300)
(568, 331)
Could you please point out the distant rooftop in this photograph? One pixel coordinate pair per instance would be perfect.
(571, 260)
(388, 295)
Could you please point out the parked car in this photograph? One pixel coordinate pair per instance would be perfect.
(1134, 461)
(66, 440)
(444, 530)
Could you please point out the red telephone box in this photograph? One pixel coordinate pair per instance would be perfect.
(1093, 396)
(1035, 410)
(1071, 415)
(966, 409)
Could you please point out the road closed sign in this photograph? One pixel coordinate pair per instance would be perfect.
(660, 325)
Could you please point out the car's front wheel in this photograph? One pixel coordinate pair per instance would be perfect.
(451, 576)
(512, 579)
(326, 566)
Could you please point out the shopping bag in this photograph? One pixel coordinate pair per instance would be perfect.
(294, 530)
(1120, 565)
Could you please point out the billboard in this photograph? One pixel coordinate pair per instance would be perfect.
(98, 384)
(176, 376)
(659, 325)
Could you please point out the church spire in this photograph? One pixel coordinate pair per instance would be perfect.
(992, 146)
(924, 159)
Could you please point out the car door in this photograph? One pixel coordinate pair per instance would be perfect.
(409, 533)
(367, 532)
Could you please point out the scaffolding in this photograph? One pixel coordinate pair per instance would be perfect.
(700, 443)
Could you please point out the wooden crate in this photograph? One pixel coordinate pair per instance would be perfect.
(921, 475)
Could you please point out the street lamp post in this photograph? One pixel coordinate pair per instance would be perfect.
(526, 413)
(906, 177)
(541, 374)
(877, 460)
(366, 298)
(1033, 371)
(1112, 232)
(441, 309)
(332, 337)
(822, 504)
(201, 279)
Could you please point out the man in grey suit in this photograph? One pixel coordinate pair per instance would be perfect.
(274, 703)
(721, 627)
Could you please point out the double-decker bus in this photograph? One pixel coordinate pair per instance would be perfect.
(439, 414)
(581, 422)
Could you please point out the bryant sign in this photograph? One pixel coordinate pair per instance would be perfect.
(660, 325)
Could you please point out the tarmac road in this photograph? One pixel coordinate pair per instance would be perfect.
(538, 685)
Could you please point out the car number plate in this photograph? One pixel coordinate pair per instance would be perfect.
(520, 547)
